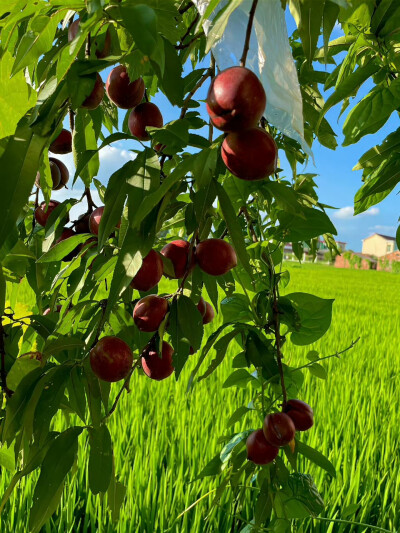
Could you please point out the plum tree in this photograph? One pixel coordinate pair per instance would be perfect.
(143, 115)
(158, 367)
(301, 414)
(236, 99)
(125, 93)
(251, 154)
(62, 144)
(215, 256)
(149, 273)
(149, 312)
(178, 253)
(259, 451)
(64, 174)
(96, 96)
(111, 359)
(278, 429)
(43, 211)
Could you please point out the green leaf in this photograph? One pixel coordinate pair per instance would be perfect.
(350, 86)
(21, 367)
(100, 459)
(172, 82)
(331, 11)
(227, 450)
(60, 250)
(204, 166)
(115, 497)
(33, 45)
(372, 112)
(239, 378)
(234, 228)
(316, 457)
(318, 370)
(141, 22)
(84, 139)
(7, 457)
(315, 317)
(57, 343)
(381, 152)
(238, 415)
(220, 347)
(212, 468)
(56, 465)
(379, 184)
(308, 16)
(23, 96)
(236, 308)
(312, 224)
(19, 159)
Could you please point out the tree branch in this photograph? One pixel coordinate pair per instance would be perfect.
(206, 75)
(248, 34)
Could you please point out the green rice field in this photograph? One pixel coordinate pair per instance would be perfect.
(163, 436)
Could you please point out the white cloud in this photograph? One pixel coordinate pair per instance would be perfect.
(115, 155)
(387, 230)
(348, 212)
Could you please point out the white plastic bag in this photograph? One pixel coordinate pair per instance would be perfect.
(269, 56)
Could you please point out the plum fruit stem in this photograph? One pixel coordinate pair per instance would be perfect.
(248, 34)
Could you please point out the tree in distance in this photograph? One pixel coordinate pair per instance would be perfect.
(111, 359)
(150, 273)
(125, 93)
(156, 367)
(96, 96)
(43, 211)
(279, 429)
(236, 99)
(143, 115)
(55, 176)
(251, 154)
(215, 256)
(64, 174)
(178, 253)
(149, 312)
(301, 414)
(62, 144)
(259, 451)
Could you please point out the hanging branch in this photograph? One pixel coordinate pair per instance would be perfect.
(3, 373)
(248, 34)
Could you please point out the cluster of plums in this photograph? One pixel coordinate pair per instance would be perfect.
(236, 101)
(123, 92)
(278, 430)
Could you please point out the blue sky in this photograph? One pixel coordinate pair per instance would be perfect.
(337, 183)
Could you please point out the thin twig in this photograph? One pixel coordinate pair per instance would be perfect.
(246, 213)
(195, 37)
(125, 386)
(337, 354)
(89, 198)
(71, 120)
(248, 34)
(185, 106)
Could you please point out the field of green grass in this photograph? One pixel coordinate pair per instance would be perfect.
(163, 436)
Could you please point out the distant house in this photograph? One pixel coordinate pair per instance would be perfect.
(322, 250)
(379, 245)
(387, 262)
(356, 260)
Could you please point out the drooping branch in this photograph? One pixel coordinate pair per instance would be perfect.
(248, 34)
(185, 107)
